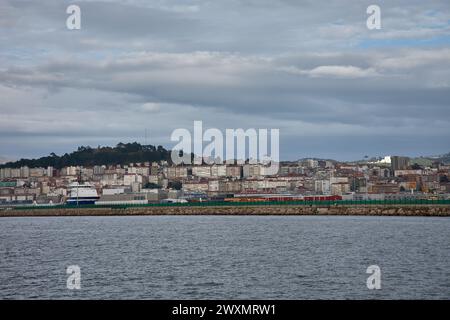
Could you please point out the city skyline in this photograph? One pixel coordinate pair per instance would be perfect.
(379, 158)
(224, 158)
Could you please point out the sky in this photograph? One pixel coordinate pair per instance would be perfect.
(137, 70)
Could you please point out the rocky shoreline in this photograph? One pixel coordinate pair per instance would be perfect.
(294, 210)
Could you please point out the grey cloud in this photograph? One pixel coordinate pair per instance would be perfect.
(296, 65)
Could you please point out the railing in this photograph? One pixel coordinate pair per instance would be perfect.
(256, 203)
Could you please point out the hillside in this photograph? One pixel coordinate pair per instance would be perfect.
(428, 161)
(87, 156)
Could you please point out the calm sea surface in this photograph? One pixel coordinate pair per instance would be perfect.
(216, 257)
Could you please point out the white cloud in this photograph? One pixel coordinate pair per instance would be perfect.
(342, 72)
(151, 107)
(349, 72)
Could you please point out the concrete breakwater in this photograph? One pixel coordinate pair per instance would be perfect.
(369, 210)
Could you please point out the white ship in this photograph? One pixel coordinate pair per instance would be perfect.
(82, 193)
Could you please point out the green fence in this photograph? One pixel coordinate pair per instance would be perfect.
(258, 203)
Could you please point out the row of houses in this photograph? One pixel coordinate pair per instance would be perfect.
(306, 177)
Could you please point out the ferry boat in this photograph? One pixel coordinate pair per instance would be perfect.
(82, 193)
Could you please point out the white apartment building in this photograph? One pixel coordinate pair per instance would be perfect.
(201, 171)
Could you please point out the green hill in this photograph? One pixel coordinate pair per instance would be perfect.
(87, 156)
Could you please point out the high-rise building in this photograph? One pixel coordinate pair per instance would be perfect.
(25, 172)
(399, 163)
(50, 171)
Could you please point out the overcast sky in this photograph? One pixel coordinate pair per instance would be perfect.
(310, 68)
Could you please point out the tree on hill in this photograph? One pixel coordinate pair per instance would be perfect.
(121, 154)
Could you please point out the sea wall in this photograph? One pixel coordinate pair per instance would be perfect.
(372, 210)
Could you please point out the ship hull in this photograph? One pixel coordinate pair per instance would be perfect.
(74, 201)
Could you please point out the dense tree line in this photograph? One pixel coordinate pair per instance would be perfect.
(123, 153)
